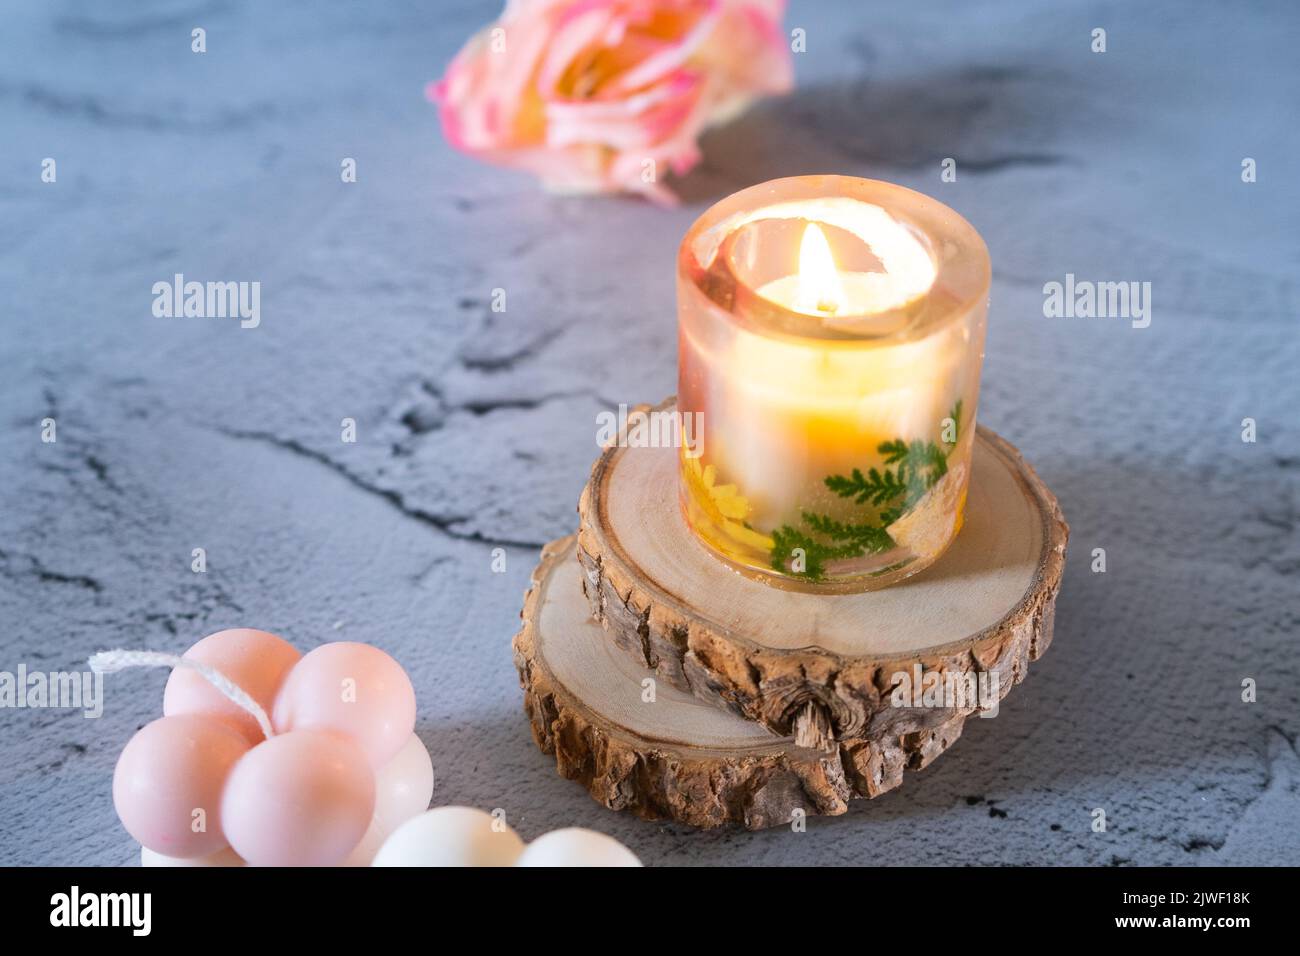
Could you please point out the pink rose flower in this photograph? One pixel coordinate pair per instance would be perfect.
(605, 95)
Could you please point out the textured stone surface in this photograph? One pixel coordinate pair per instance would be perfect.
(476, 430)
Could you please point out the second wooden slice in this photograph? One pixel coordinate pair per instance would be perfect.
(822, 666)
(640, 745)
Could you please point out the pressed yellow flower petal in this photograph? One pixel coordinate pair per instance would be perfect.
(737, 508)
(748, 536)
(932, 521)
(722, 505)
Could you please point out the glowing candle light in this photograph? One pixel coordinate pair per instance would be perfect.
(820, 288)
(831, 334)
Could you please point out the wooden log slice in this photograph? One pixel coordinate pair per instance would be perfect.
(675, 756)
(823, 665)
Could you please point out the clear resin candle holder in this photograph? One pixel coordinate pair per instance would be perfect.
(831, 332)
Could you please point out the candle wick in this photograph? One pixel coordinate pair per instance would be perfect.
(827, 305)
(108, 662)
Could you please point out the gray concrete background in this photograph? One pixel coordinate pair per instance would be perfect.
(477, 430)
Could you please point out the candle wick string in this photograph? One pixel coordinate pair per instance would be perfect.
(108, 662)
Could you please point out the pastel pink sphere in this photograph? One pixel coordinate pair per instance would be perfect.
(354, 689)
(168, 783)
(302, 798)
(257, 661)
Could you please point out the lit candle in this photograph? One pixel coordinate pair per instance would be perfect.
(831, 334)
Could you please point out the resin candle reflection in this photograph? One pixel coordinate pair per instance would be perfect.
(831, 333)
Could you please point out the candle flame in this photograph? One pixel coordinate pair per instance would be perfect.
(819, 279)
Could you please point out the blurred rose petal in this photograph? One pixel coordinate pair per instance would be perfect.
(591, 95)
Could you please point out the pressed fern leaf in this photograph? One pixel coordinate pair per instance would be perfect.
(875, 486)
(955, 415)
(917, 467)
(786, 540)
(870, 538)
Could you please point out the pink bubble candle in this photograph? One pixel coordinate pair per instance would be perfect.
(271, 757)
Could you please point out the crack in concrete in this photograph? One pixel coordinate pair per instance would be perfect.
(100, 470)
(422, 418)
(993, 164)
(442, 523)
(84, 106)
(486, 406)
(1274, 768)
(36, 568)
(133, 27)
(496, 364)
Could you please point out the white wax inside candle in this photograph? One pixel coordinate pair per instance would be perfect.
(907, 273)
(792, 413)
(869, 302)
